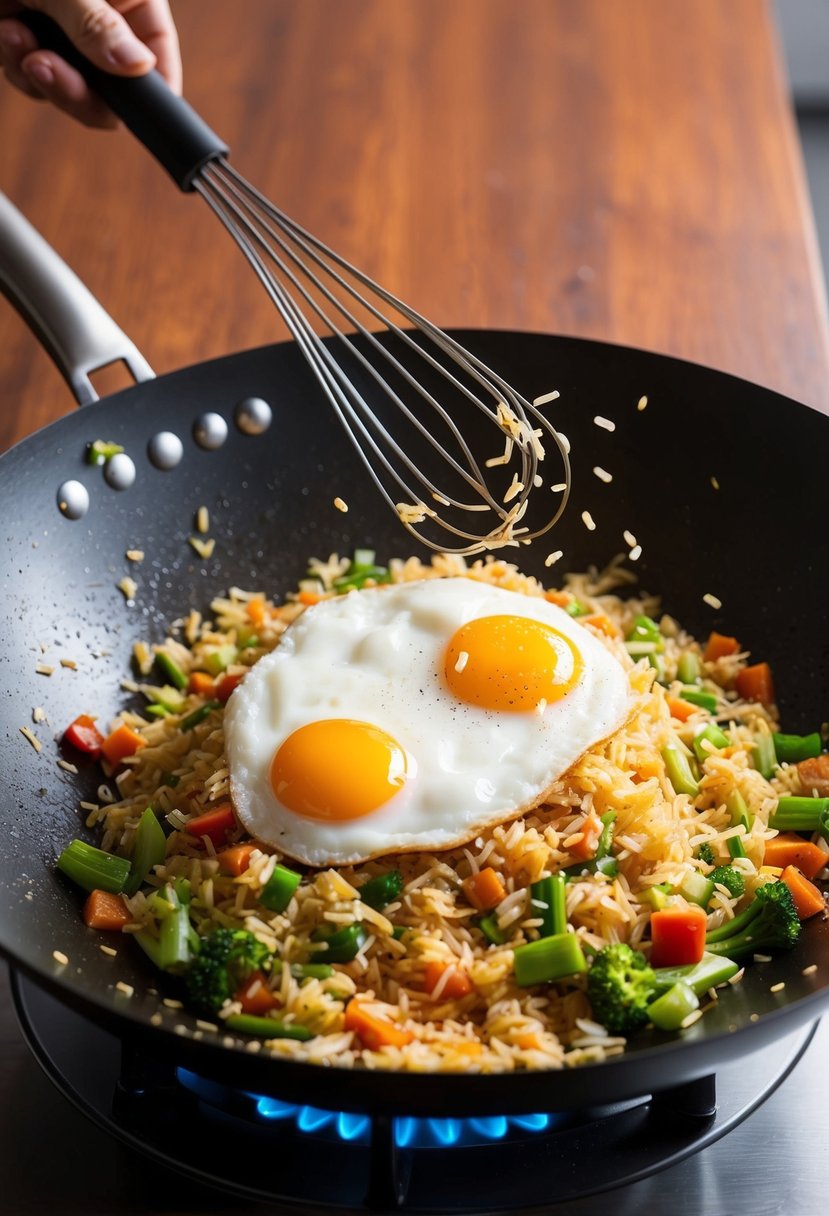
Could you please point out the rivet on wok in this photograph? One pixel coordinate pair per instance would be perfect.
(253, 416)
(73, 499)
(119, 471)
(165, 450)
(210, 431)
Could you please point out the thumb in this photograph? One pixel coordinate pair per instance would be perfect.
(100, 33)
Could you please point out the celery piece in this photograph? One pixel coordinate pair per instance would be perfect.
(174, 940)
(278, 891)
(710, 971)
(170, 669)
(679, 771)
(491, 930)
(157, 711)
(266, 1028)
(697, 889)
(198, 715)
(765, 759)
(150, 945)
(645, 629)
(695, 696)
(149, 851)
(548, 959)
(738, 811)
(657, 896)
(687, 669)
(547, 902)
(710, 734)
(93, 869)
(219, 660)
(798, 814)
(305, 971)
(99, 451)
(790, 749)
(670, 1010)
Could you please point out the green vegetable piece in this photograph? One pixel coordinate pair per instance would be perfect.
(710, 971)
(150, 945)
(548, 959)
(601, 862)
(267, 1028)
(101, 450)
(198, 715)
(731, 879)
(225, 959)
(736, 848)
(278, 891)
(695, 696)
(687, 669)
(547, 901)
(620, 984)
(770, 922)
(657, 896)
(790, 749)
(157, 711)
(577, 608)
(362, 569)
(645, 629)
(93, 869)
(679, 771)
(363, 558)
(765, 759)
(174, 940)
(798, 814)
(149, 851)
(399, 931)
(170, 669)
(246, 638)
(382, 890)
(219, 660)
(706, 853)
(171, 780)
(491, 930)
(670, 1010)
(181, 886)
(737, 809)
(166, 695)
(710, 734)
(697, 889)
(342, 946)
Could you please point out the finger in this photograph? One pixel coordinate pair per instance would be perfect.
(152, 21)
(66, 89)
(100, 33)
(16, 41)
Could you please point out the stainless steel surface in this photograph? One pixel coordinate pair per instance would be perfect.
(771, 1164)
(79, 335)
(427, 383)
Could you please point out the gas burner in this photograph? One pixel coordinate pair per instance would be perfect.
(206, 1130)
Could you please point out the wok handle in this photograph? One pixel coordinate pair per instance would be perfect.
(62, 313)
(165, 124)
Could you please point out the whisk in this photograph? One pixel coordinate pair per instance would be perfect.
(427, 418)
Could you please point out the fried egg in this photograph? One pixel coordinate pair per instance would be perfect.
(414, 716)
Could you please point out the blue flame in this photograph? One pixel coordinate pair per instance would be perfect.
(356, 1128)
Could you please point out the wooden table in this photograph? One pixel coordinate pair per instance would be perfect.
(629, 172)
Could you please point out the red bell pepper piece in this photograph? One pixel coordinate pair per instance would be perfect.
(83, 735)
(226, 686)
(215, 824)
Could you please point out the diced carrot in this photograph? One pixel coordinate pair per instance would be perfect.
(237, 859)
(807, 898)
(256, 611)
(120, 743)
(591, 830)
(814, 775)
(682, 710)
(646, 767)
(103, 910)
(755, 683)
(603, 623)
(255, 996)
(678, 935)
(560, 598)
(226, 686)
(718, 646)
(215, 824)
(789, 849)
(309, 598)
(528, 1042)
(484, 890)
(456, 985)
(374, 1032)
(201, 683)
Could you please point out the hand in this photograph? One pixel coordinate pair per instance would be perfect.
(126, 37)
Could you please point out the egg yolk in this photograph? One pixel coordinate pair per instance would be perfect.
(337, 769)
(510, 663)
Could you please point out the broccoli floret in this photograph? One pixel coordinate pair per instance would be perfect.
(225, 959)
(730, 878)
(706, 853)
(620, 985)
(770, 922)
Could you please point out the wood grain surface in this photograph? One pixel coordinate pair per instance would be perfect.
(629, 172)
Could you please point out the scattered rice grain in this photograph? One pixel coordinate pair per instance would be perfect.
(552, 558)
(547, 397)
(32, 738)
(341, 505)
(602, 474)
(713, 600)
(588, 521)
(127, 989)
(604, 423)
(60, 957)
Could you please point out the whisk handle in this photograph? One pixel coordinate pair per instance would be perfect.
(165, 124)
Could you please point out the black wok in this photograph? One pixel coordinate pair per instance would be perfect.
(758, 542)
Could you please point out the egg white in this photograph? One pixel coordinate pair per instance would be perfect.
(377, 656)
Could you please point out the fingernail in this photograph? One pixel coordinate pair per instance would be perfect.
(129, 54)
(41, 73)
(10, 39)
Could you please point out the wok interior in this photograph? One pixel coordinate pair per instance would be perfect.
(758, 543)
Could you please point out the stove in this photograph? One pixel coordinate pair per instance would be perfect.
(163, 1139)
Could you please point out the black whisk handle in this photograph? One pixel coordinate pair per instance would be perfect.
(165, 124)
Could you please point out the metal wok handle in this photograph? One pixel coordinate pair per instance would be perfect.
(62, 313)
